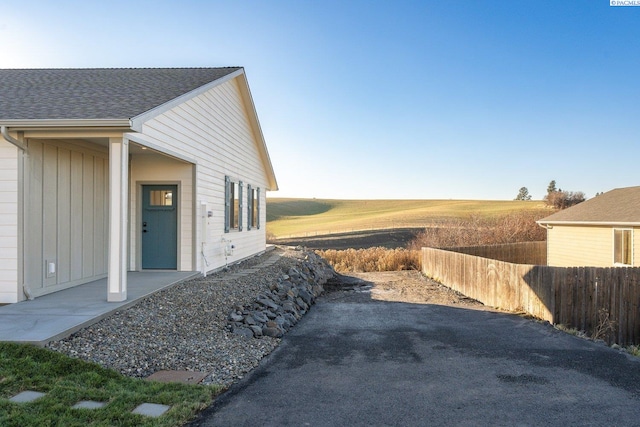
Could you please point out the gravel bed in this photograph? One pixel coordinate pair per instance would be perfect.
(184, 327)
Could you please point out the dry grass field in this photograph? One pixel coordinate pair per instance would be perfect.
(287, 218)
(385, 235)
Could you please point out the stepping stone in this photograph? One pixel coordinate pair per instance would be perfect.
(26, 396)
(186, 377)
(88, 404)
(151, 409)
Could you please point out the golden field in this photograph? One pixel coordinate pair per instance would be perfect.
(304, 217)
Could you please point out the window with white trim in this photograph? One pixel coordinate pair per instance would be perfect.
(251, 203)
(257, 208)
(253, 207)
(233, 205)
(622, 246)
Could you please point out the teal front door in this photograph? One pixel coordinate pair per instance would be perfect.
(159, 227)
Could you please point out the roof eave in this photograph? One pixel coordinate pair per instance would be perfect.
(69, 123)
(591, 223)
(257, 129)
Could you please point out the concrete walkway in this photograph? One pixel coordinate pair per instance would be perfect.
(58, 315)
(61, 313)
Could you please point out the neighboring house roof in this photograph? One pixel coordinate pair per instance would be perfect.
(96, 94)
(616, 207)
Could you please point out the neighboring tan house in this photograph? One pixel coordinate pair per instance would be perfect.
(601, 232)
(104, 171)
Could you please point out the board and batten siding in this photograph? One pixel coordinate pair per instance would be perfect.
(213, 128)
(578, 246)
(9, 158)
(66, 215)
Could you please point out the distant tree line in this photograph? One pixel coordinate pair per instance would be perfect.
(555, 197)
(523, 194)
(559, 199)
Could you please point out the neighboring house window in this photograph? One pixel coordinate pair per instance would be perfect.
(233, 205)
(622, 240)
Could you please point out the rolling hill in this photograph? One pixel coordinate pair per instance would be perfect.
(305, 217)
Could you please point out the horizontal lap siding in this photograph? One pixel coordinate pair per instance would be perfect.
(214, 129)
(8, 223)
(580, 246)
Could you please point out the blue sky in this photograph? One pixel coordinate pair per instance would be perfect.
(388, 99)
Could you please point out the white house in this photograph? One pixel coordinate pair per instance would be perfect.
(104, 171)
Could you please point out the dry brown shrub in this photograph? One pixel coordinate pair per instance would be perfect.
(271, 238)
(564, 199)
(372, 259)
(478, 230)
(605, 326)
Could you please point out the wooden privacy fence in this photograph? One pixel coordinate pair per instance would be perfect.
(518, 253)
(586, 298)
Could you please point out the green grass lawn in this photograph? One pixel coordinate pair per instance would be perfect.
(67, 381)
(299, 217)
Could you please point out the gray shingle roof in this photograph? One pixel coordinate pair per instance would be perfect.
(621, 205)
(101, 93)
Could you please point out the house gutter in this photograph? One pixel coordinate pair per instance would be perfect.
(10, 139)
(64, 123)
(549, 225)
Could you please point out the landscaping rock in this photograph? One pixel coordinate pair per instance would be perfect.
(235, 317)
(192, 326)
(275, 312)
(272, 332)
(243, 332)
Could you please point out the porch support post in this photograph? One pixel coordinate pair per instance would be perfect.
(118, 213)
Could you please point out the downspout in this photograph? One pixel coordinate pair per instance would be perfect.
(11, 140)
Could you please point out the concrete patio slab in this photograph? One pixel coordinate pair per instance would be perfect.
(59, 314)
(62, 313)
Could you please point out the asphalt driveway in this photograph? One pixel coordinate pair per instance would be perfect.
(357, 361)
